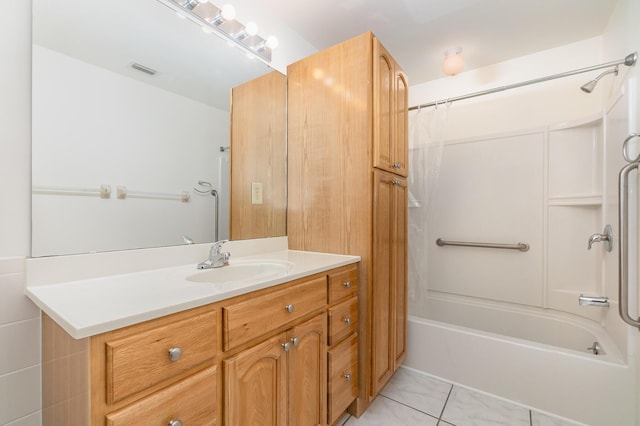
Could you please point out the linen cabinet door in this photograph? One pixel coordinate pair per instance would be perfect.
(256, 384)
(384, 107)
(399, 270)
(389, 295)
(308, 373)
(382, 281)
(401, 123)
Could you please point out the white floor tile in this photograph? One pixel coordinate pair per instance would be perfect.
(468, 408)
(539, 419)
(417, 390)
(384, 412)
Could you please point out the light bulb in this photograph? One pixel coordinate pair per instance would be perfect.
(251, 29)
(228, 12)
(272, 42)
(453, 62)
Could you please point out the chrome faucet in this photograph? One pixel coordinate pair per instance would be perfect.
(216, 258)
(606, 236)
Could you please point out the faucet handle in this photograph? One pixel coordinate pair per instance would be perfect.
(606, 237)
(217, 246)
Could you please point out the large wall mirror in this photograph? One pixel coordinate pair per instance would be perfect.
(131, 126)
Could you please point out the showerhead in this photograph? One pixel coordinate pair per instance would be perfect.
(588, 87)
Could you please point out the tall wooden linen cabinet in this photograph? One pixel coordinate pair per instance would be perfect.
(347, 187)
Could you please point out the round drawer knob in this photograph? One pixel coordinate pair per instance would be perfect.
(174, 355)
(347, 377)
(175, 423)
(289, 308)
(295, 341)
(347, 284)
(347, 320)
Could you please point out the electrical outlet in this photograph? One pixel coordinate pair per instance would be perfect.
(256, 193)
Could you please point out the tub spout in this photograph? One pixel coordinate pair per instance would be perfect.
(601, 301)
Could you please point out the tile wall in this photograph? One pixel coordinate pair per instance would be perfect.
(20, 366)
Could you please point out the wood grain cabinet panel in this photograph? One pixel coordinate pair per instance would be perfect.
(343, 320)
(338, 141)
(281, 381)
(343, 376)
(308, 373)
(256, 385)
(388, 337)
(192, 401)
(343, 284)
(252, 318)
(390, 121)
(141, 360)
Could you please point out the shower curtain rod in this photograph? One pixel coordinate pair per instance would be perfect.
(629, 60)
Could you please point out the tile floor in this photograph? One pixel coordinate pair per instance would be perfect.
(412, 398)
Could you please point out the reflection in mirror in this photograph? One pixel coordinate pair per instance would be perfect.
(130, 109)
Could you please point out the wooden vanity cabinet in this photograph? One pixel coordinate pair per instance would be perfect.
(259, 358)
(347, 123)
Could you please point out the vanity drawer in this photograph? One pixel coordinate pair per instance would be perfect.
(343, 320)
(255, 317)
(343, 284)
(343, 376)
(192, 401)
(144, 359)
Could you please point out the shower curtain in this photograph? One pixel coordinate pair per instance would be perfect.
(426, 137)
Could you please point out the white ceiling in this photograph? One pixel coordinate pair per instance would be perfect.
(418, 32)
(114, 33)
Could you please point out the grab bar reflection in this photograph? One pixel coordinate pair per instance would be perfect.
(519, 246)
(103, 192)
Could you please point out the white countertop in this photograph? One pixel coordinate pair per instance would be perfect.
(86, 307)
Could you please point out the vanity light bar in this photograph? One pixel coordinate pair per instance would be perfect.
(212, 19)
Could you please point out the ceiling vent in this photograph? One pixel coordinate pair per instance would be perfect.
(143, 69)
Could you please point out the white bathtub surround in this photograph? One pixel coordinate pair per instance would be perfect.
(20, 339)
(89, 306)
(414, 398)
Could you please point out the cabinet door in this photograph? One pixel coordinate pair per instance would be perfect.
(384, 107)
(388, 313)
(399, 270)
(255, 381)
(308, 373)
(401, 121)
(390, 114)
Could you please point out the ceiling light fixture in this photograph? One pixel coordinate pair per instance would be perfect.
(453, 61)
(221, 21)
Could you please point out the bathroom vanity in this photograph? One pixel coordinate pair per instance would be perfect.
(212, 347)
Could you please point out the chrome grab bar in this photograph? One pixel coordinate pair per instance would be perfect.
(623, 255)
(519, 246)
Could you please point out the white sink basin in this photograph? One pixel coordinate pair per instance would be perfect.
(241, 272)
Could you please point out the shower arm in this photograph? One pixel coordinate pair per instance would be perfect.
(628, 60)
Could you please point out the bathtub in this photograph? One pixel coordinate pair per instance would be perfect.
(529, 356)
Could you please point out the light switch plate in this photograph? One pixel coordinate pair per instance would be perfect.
(256, 193)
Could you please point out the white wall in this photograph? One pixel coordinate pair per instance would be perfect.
(20, 400)
(111, 129)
